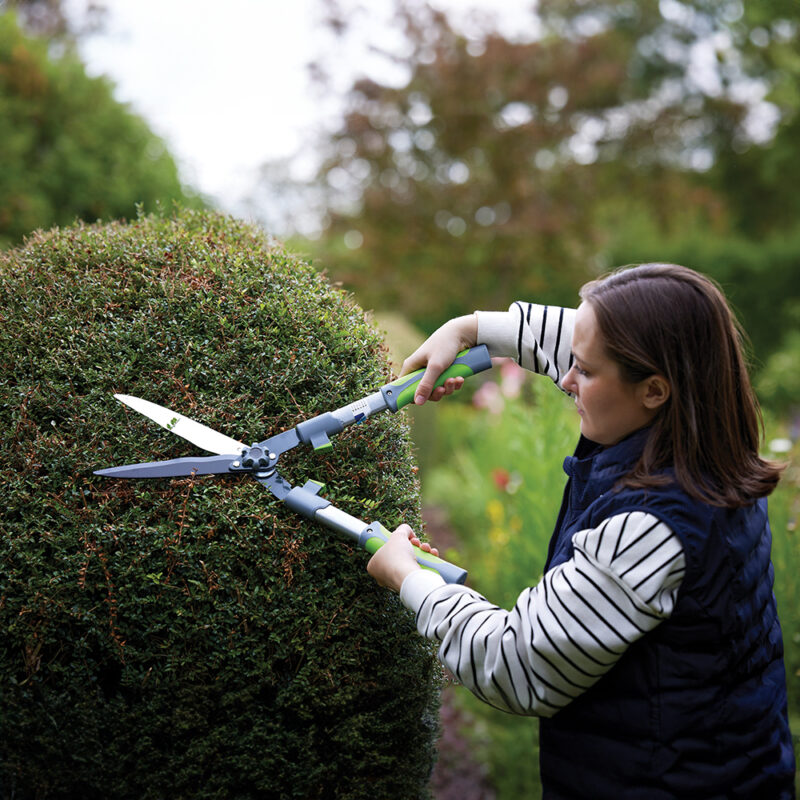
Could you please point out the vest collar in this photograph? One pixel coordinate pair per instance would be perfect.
(596, 468)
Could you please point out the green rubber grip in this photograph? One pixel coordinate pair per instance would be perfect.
(375, 535)
(399, 393)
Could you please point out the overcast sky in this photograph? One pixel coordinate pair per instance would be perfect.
(226, 84)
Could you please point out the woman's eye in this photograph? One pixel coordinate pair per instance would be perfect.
(582, 372)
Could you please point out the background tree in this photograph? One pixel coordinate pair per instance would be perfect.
(502, 169)
(69, 149)
(48, 18)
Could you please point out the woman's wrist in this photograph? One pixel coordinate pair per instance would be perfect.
(394, 561)
(466, 329)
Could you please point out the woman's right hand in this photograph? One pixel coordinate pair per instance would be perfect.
(437, 353)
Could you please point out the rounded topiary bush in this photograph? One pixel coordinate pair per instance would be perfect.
(193, 638)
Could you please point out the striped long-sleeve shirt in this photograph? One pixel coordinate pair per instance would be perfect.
(568, 630)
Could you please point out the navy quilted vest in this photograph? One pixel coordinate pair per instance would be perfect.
(697, 707)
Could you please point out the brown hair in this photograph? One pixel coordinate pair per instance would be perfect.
(670, 320)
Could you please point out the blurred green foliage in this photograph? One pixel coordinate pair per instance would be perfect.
(502, 169)
(759, 276)
(779, 381)
(193, 638)
(69, 149)
(501, 486)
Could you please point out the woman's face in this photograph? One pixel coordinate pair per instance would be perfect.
(610, 407)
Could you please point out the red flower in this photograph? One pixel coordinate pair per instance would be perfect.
(501, 478)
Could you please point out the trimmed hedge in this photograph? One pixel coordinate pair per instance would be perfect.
(192, 638)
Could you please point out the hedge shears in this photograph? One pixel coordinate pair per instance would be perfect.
(260, 460)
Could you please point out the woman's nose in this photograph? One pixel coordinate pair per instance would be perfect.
(569, 380)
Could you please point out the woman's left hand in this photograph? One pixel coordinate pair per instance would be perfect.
(395, 560)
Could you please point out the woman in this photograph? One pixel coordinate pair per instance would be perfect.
(651, 648)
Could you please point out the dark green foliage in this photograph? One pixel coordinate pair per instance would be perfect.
(759, 277)
(192, 638)
(69, 149)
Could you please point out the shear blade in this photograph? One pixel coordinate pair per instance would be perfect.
(212, 465)
(194, 432)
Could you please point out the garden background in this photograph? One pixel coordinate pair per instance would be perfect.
(498, 170)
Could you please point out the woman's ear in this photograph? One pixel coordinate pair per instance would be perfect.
(655, 391)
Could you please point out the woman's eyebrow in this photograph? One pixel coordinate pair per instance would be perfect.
(576, 357)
